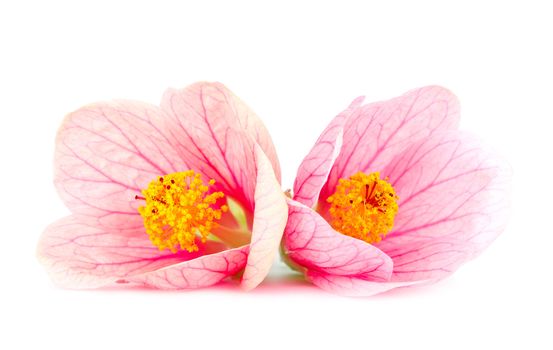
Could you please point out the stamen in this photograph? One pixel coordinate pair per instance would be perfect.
(175, 215)
(364, 207)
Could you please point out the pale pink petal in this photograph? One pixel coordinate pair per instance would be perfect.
(201, 272)
(314, 169)
(454, 198)
(106, 153)
(270, 217)
(79, 253)
(379, 131)
(248, 121)
(310, 242)
(213, 130)
(353, 286)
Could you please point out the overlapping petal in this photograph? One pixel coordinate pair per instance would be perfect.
(314, 169)
(310, 242)
(270, 217)
(79, 253)
(229, 143)
(211, 129)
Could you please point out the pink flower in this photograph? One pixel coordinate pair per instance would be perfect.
(168, 197)
(420, 197)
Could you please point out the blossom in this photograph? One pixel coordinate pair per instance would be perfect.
(393, 195)
(177, 196)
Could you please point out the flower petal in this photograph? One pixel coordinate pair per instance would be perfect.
(310, 242)
(352, 286)
(212, 128)
(454, 195)
(80, 253)
(379, 131)
(201, 272)
(270, 217)
(314, 169)
(106, 153)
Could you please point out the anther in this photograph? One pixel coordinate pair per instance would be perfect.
(372, 217)
(180, 217)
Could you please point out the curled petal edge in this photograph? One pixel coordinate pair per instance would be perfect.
(311, 243)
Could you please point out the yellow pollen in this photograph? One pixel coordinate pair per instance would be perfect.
(178, 209)
(364, 207)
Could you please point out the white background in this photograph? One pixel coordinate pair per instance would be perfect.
(296, 65)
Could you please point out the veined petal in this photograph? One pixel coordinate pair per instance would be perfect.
(80, 253)
(226, 141)
(106, 153)
(270, 216)
(379, 131)
(314, 169)
(310, 242)
(212, 128)
(454, 199)
(201, 272)
(353, 286)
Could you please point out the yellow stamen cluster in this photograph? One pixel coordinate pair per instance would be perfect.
(364, 207)
(178, 209)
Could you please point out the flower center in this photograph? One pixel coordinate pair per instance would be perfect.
(364, 207)
(178, 209)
